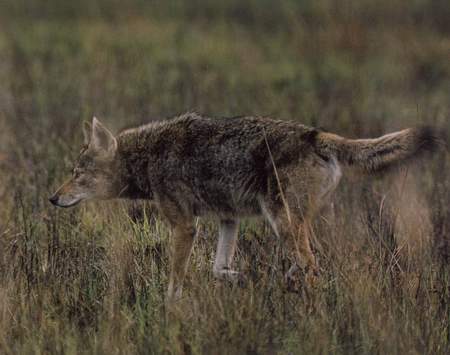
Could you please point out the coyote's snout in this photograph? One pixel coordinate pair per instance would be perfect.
(230, 168)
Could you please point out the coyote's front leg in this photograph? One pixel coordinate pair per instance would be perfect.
(228, 232)
(182, 240)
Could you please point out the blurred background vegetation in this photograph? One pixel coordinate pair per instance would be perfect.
(93, 279)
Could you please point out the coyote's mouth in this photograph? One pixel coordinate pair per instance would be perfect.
(56, 202)
(72, 204)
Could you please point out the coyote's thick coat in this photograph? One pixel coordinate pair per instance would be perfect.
(229, 168)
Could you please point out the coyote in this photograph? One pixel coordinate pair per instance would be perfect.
(229, 168)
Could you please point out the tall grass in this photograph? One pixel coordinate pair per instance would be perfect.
(93, 279)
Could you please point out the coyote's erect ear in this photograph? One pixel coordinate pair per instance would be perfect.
(87, 132)
(102, 139)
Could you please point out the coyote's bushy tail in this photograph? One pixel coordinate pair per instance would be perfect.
(380, 154)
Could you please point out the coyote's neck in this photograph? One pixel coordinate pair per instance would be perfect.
(132, 162)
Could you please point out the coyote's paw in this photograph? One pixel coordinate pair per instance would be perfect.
(293, 282)
(296, 279)
(232, 276)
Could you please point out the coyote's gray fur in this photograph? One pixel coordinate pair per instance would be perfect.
(229, 168)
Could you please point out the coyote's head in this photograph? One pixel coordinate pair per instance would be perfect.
(93, 174)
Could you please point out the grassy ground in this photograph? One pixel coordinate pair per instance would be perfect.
(93, 279)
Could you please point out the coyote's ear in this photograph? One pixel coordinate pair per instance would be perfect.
(102, 139)
(87, 132)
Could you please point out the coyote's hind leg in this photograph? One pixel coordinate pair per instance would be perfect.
(182, 240)
(304, 266)
(295, 233)
(304, 255)
(228, 232)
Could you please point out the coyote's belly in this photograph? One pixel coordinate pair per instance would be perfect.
(239, 193)
(229, 189)
(223, 198)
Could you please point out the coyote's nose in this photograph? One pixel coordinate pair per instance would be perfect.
(53, 200)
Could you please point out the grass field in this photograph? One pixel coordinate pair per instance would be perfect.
(92, 280)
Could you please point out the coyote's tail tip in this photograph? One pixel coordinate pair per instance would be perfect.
(429, 139)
